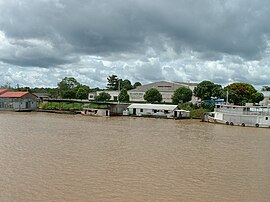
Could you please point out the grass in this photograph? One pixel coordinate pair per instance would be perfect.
(69, 106)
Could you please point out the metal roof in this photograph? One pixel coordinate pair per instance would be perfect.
(153, 106)
(163, 86)
(3, 91)
(14, 94)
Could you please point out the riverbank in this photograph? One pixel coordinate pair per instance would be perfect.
(58, 111)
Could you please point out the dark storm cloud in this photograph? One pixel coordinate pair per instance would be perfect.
(105, 27)
(52, 33)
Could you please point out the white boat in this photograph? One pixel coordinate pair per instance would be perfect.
(256, 116)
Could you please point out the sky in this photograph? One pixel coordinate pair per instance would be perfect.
(223, 41)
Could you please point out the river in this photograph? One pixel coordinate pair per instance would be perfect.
(53, 157)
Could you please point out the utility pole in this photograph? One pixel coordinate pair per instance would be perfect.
(227, 97)
(119, 88)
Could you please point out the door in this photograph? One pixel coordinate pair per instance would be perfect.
(134, 111)
(26, 104)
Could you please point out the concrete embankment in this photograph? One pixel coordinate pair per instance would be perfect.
(58, 111)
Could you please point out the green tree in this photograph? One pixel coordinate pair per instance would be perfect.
(103, 96)
(218, 92)
(257, 97)
(69, 94)
(136, 84)
(207, 90)
(241, 93)
(182, 95)
(67, 87)
(126, 84)
(152, 95)
(123, 96)
(113, 82)
(82, 92)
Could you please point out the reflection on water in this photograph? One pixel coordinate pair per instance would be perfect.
(50, 157)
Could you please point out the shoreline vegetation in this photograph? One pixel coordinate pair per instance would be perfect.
(68, 106)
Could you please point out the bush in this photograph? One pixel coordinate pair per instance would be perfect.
(103, 97)
(196, 112)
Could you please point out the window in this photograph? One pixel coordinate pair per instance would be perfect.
(166, 111)
(164, 86)
(266, 118)
(154, 110)
(141, 110)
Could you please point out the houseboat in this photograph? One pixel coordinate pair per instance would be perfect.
(256, 116)
(156, 110)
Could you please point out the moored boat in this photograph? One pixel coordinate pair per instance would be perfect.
(256, 116)
(95, 112)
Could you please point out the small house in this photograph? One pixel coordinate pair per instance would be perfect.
(42, 96)
(17, 101)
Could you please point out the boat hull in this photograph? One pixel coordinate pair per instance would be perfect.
(240, 120)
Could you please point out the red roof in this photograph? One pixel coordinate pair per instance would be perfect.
(13, 94)
(3, 91)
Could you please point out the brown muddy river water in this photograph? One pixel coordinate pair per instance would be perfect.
(52, 157)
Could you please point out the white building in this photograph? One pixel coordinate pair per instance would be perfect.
(266, 100)
(157, 110)
(114, 94)
(166, 89)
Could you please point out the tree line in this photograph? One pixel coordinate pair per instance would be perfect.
(69, 88)
(237, 93)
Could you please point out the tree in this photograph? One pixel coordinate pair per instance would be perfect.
(206, 90)
(182, 95)
(69, 94)
(123, 96)
(113, 82)
(152, 95)
(82, 92)
(126, 84)
(136, 84)
(68, 83)
(257, 97)
(103, 96)
(67, 87)
(218, 92)
(241, 93)
(266, 88)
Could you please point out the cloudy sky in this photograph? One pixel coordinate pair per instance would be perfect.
(43, 41)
